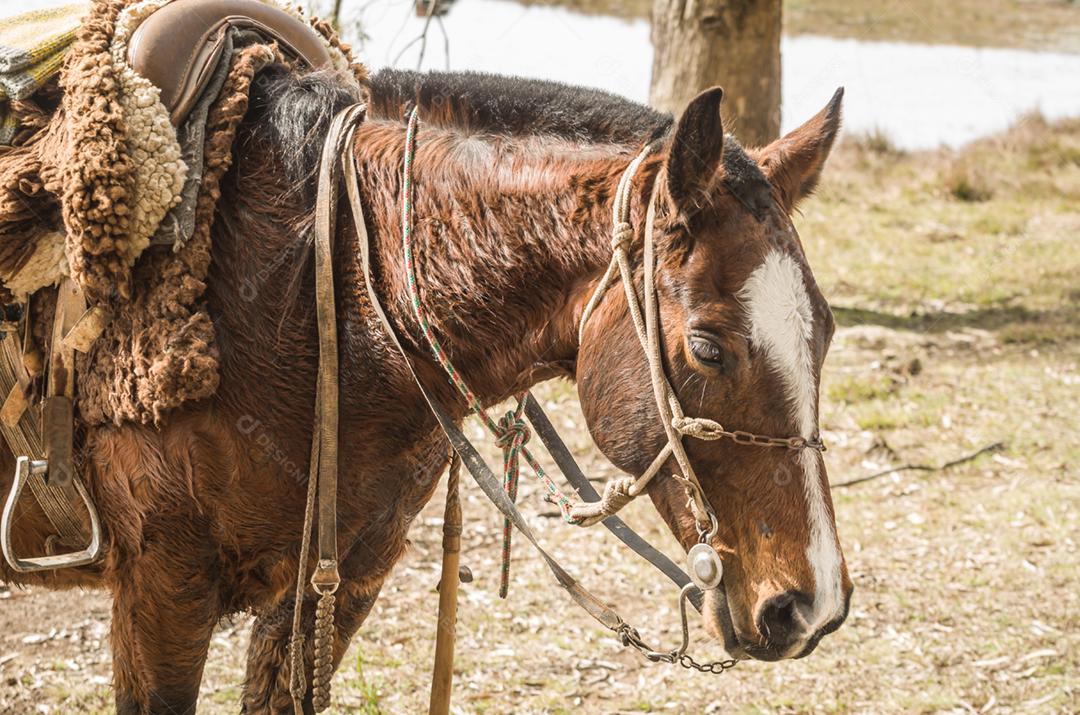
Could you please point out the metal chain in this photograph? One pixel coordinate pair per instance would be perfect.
(741, 437)
(716, 667)
(706, 429)
(630, 637)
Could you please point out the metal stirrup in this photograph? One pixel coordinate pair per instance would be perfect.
(24, 469)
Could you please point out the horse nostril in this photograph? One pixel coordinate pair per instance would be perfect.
(779, 621)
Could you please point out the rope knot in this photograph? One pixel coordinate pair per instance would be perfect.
(513, 431)
(698, 428)
(511, 434)
(616, 496)
(621, 236)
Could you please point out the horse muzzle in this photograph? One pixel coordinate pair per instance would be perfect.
(783, 632)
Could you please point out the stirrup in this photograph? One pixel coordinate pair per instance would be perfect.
(24, 468)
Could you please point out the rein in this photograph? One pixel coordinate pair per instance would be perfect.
(488, 482)
(511, 431)
(322, 471)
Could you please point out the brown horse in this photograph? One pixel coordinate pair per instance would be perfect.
(514, 185)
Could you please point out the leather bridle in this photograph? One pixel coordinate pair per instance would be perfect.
(706, 569)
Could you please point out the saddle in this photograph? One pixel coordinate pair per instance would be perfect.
(184, 70)
(178, 47)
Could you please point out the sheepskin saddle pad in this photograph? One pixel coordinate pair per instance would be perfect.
(113, 143)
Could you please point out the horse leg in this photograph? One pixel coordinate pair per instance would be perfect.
(266, 685)
(164, 612)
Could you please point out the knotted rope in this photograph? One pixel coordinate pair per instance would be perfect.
(617, 494)
(512, 436)
(622, 234)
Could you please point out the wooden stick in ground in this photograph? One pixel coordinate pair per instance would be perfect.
(443, 676)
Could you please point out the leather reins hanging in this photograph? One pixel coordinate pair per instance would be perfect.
(706, 569)
(323, 469)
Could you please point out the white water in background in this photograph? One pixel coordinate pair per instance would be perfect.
(920, 96)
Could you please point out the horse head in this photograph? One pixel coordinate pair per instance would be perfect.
(744, 330)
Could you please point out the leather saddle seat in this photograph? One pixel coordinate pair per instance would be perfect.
(178, 47)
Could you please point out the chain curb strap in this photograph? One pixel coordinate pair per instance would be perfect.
(631, 638)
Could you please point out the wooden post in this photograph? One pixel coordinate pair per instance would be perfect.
(443, 676)
(731, 43)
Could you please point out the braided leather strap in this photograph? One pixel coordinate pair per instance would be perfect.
(323, 671)
(297, 681)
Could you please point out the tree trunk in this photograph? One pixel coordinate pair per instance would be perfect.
(732, 43)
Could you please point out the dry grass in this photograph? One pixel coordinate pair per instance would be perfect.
(1037, 24)
(960, 326)
(1047, 25)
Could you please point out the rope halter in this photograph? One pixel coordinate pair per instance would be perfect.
(645, 318)
(511, 432)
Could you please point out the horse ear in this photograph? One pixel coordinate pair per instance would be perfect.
(793, 163)
(697, 149)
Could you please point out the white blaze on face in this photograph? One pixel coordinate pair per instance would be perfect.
(782, 327)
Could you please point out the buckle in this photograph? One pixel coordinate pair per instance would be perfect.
(326, 579)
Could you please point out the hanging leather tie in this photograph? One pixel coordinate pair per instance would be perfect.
(323, 470)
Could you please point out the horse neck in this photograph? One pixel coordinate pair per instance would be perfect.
(511, 235)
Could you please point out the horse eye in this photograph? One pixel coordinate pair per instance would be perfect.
(709, 352)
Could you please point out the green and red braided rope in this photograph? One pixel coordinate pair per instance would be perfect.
(511, 432)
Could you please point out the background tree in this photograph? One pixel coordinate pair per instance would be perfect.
(732, 43)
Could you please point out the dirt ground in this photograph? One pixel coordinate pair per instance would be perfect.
(955, 277)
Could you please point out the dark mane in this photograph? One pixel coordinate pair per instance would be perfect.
(480, 102)
(296, 111)
(293, 112)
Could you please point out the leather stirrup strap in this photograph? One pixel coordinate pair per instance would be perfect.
(58, 408)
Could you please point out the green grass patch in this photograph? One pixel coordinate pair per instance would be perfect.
(366, 690)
